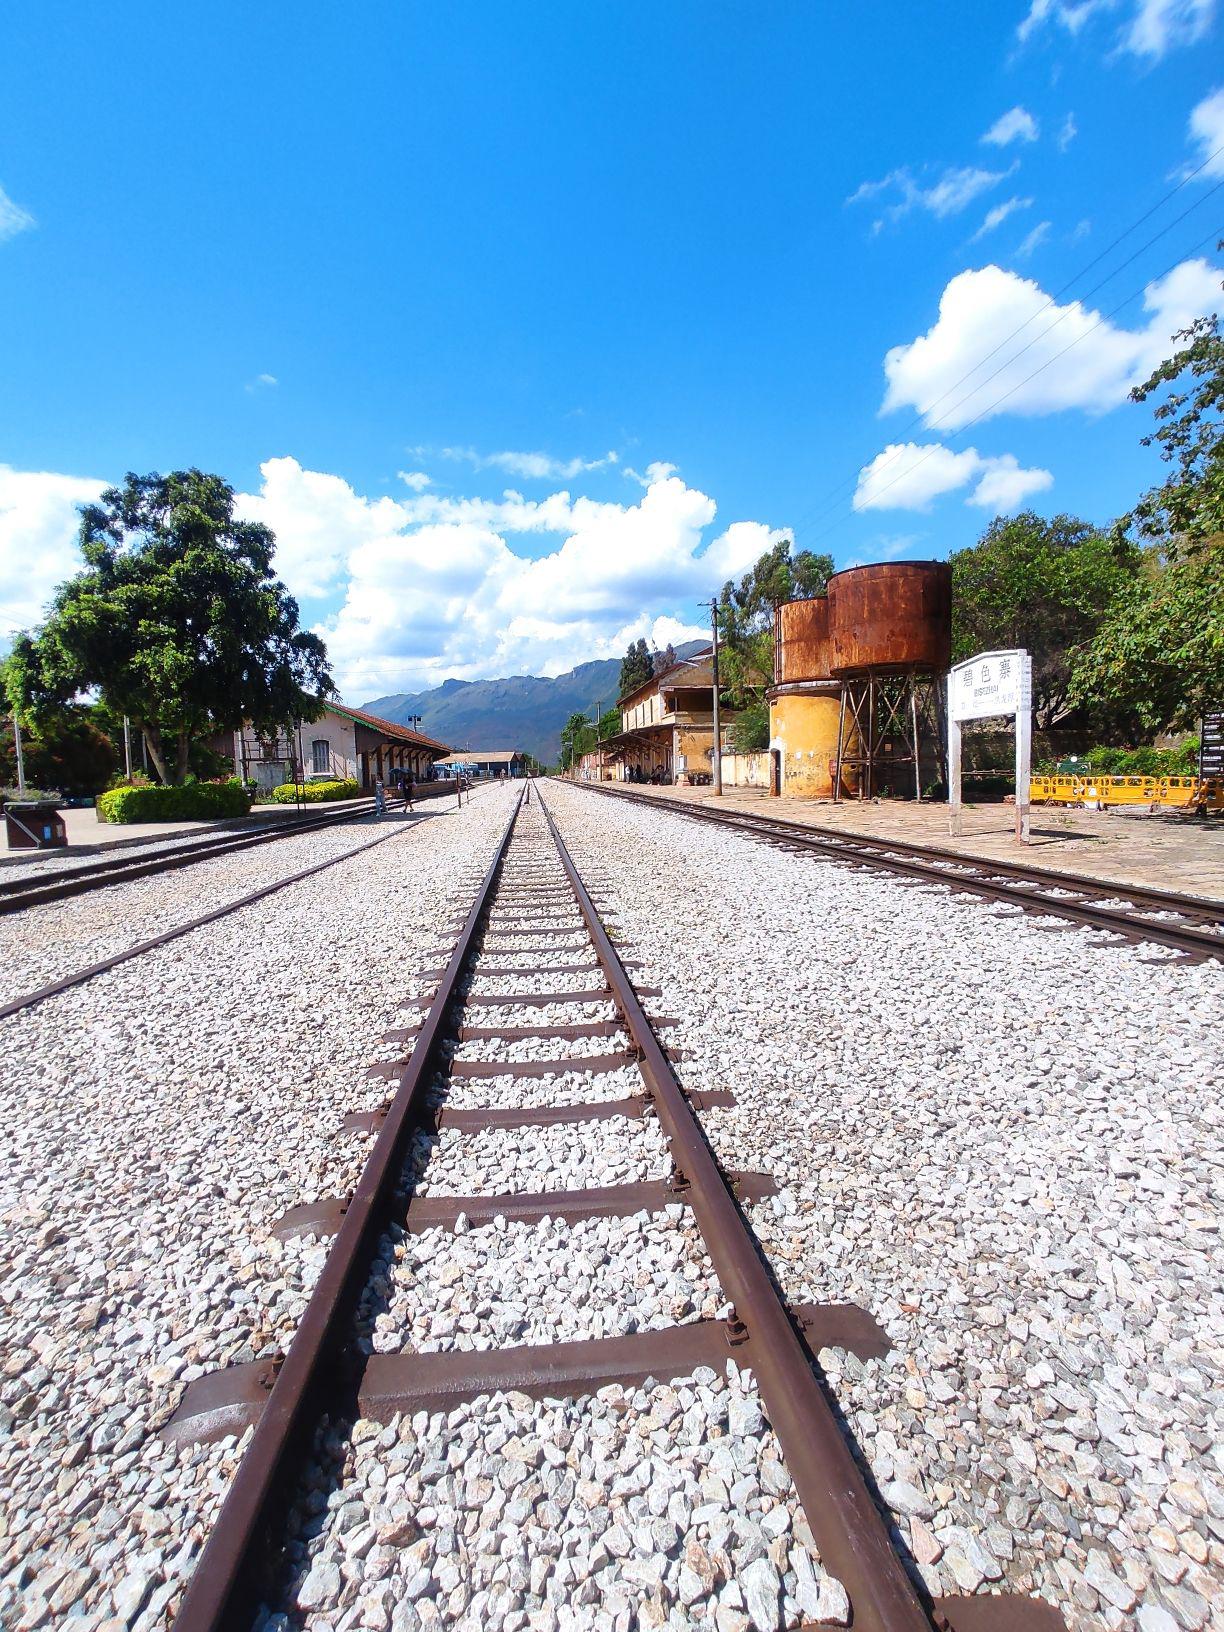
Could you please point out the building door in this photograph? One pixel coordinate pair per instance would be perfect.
(775, 772)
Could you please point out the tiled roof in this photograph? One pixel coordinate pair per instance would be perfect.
(485, 756)
(386, 728)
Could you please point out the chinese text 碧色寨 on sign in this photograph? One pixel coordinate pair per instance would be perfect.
(996, 683)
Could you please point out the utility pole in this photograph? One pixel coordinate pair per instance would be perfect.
(127, 747)
(21, 781)
(599, 739)
(717, 719)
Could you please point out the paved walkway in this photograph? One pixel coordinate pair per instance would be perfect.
(1163, 851)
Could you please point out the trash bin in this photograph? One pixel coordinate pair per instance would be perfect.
(34, 825)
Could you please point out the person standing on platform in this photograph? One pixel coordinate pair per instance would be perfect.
(380, 797)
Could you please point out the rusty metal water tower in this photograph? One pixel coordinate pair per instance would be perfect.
(890, 645)
(804, 702)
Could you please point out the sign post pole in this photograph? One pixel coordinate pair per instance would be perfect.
(954, 776)
(1024, 748)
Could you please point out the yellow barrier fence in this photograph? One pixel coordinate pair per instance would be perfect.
(1111, 792)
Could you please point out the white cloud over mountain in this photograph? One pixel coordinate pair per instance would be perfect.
(432, 588)
(910, 476)
(1043, 369)
(425, 587)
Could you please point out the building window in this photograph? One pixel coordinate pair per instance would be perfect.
(320, 751)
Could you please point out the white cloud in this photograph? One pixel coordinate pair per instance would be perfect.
(535, 466)
(655, 472)
(980, 309)
(261, 382)
(39, 521)
(417, 480)
(910, 476)
(1207, 129)
(954, 191)
(1016, 125)
(1034, 239)
(1069, 14)
(1067, 133)
(1151, 28)
(432, 588)
(999, 214)
(1158, 25)
(13, 219)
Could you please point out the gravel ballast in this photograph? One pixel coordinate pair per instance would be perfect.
(156, 1121)
(1007, 1144)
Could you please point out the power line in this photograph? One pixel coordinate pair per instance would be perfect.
(990, 407)
(820, 510)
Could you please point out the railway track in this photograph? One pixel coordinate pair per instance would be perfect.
(62, 882)
(39, 994)
(535, 1039)
(1189, 925)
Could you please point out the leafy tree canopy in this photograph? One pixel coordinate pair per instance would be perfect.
(746, 613)
(1189, 504)
(636, 667)
(1041, 585)
(69, 751)
(579, 735)
(1159, 653)
(175, 621)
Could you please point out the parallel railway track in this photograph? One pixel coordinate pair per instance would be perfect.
(533, 908)
(60, 883)
(1189, 925)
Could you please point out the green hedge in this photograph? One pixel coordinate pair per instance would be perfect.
(313, 793)
(194, 802)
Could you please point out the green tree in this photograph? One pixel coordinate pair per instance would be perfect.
(175, 621)
(577, 737)
(69, 751)
(636, 667)
(746, 615)
(1041, 585)
(1189, 432)
(1159, 654)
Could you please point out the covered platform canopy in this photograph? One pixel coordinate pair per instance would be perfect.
(388, 750)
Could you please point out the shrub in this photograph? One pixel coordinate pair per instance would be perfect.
(13, 796)
(196, 802)
(313, 793)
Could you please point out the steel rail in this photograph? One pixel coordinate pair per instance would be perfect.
(226, 1586)
(65, 983)
(974, 874)
(850, 1534)
(19, 893)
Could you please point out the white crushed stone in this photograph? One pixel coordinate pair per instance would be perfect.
(153, 1125)
(1007, 1145)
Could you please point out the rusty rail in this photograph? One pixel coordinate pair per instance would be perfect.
(225, 1588)
(18, 893)
(1002, 881)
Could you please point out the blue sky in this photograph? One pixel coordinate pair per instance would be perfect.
(677, 276)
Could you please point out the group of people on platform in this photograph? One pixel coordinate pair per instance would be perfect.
(656, 778)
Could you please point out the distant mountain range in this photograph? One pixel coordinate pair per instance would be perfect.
(524, 711)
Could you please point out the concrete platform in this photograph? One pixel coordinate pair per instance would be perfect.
(1163, 851)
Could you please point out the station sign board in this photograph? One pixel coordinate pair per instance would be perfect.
(990, 686)
(1211, 744)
